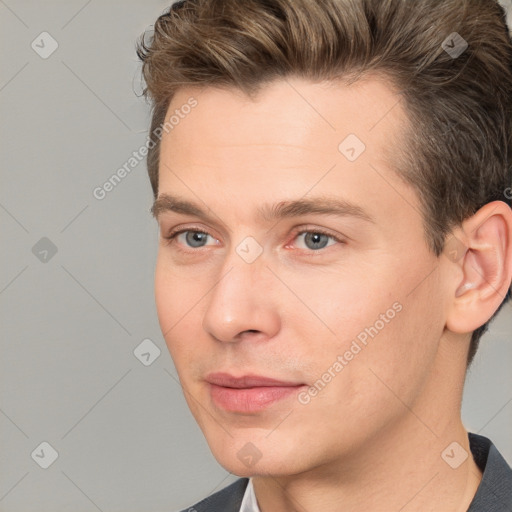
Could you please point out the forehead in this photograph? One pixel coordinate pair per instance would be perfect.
(292, 125)
(289, 112)
(295, 138)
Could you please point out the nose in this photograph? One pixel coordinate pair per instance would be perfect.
(241, 304)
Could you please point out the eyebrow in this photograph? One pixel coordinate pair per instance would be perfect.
(323, 205)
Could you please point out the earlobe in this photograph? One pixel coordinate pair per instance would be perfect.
(486, 267)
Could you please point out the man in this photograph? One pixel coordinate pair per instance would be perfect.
(332, 186)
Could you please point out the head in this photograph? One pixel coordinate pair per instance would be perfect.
(285, 109)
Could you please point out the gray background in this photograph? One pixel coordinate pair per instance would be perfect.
(124, 436)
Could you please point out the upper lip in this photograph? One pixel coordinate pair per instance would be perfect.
(246, 381)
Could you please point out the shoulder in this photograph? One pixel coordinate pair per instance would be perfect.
(494, 493)
(228, 499)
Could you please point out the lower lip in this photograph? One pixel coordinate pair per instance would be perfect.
(250, 399)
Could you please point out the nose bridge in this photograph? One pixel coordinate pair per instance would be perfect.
(240, 299)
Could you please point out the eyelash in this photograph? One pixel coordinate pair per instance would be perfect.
(171, 238)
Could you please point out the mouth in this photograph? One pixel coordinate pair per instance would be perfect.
(249, 393)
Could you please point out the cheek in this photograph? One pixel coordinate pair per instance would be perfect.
(344, 302)
(381, 324)
(166, 291)
(176, 298)
(367, 389)
(401, 336)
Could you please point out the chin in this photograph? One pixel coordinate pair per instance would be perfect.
(244, 459)
(269, 468)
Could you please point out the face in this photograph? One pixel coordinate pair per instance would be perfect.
(336, 296)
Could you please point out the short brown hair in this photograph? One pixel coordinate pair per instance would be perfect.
(457, 157)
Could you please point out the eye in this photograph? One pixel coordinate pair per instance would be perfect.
(191, 238)
(313, 240)
(316, 239)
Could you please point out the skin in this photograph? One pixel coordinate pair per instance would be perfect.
(372, 438)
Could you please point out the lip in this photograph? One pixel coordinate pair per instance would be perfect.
(247, 381)
(248, 393)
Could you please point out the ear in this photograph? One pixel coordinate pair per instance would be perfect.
(482, 249)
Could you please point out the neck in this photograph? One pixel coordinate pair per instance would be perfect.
(397, 473)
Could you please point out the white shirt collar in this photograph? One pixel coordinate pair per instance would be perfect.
(249, 502)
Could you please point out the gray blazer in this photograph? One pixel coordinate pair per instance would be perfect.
(228, 499)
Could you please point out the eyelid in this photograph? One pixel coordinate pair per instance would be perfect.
(171, 237)
(315, 229)
(340, 239)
